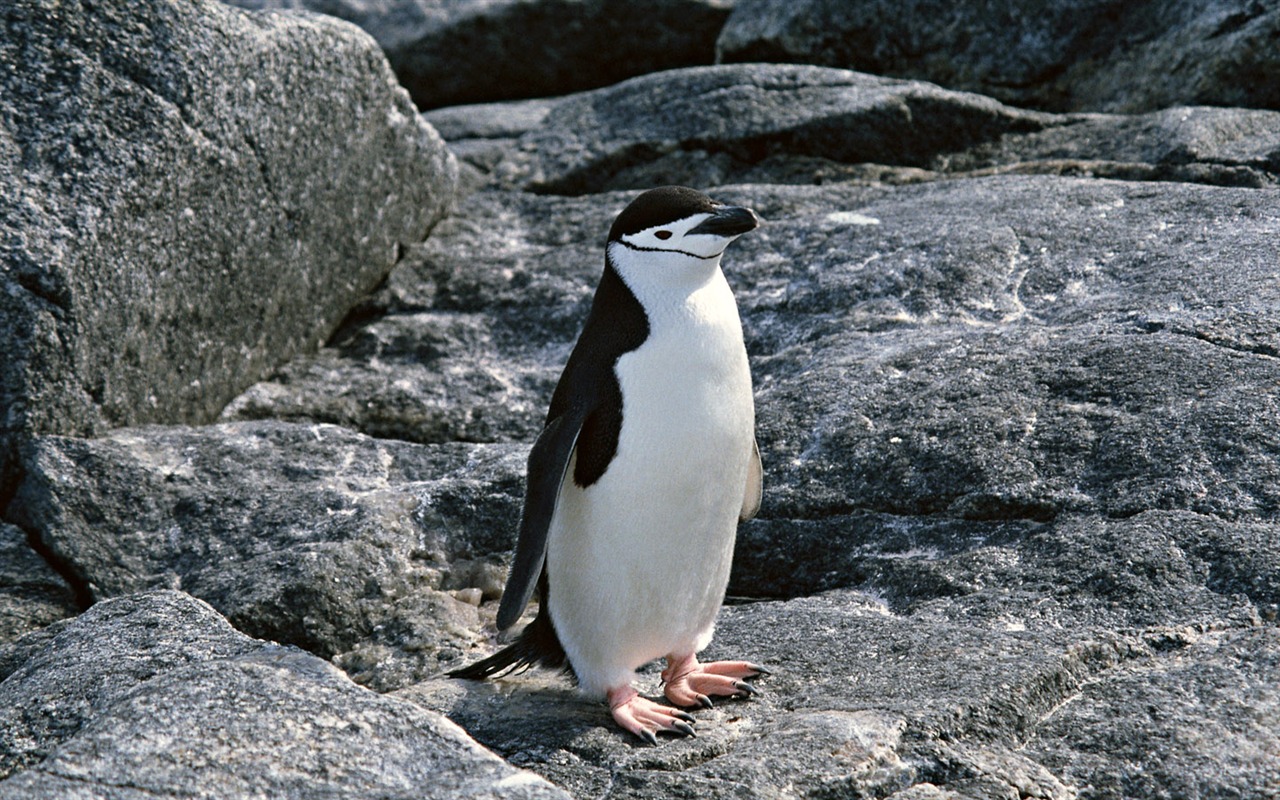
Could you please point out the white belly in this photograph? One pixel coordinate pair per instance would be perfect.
(638, 562)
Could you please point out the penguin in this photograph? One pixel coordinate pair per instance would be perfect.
(645, 466)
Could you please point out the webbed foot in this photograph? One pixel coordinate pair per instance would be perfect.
(690, 683)
(646, 718)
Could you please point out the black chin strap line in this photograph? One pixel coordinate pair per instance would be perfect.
(638, 248)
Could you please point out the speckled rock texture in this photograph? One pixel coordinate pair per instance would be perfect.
(192, 194)
(1017, 387)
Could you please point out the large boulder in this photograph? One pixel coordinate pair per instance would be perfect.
(447, 52)
(865, 702)
(780, 123)
(192, 195)
(155, 694)
(1101, 55)
(357, 549)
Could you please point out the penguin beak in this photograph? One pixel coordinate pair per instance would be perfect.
(727, 221)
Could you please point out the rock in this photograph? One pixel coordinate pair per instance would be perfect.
(309, 535)
(774, 123)
(985, 496)
(194, 194)
(475, 51)
(1058, 56)
(469, 333)
(32, 595)
(156, 694)
(865, 702)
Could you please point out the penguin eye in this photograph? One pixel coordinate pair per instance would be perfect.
(663, 235)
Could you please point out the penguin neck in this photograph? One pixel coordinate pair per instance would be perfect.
(675, 289)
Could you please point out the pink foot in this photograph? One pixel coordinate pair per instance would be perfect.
(646, 718)
(689, 683)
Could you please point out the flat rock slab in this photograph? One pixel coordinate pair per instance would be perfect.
(796, 124)
(193, 194)
(473, 51)
(863, 702)
(988, 349)
(351, 547)
(155, 694)
(1061, 56)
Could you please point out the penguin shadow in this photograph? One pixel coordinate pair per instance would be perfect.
(529, 716)
(530, 711)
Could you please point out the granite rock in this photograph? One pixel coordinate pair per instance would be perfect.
(351, 547)
(193, 194)
(789, 124)
(1100, 55)
(447, 52)
(155, 694)
(32, 594)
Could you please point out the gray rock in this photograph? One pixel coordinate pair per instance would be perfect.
(706, 123)
(1063, 56)
(775, 123)
(477, 322)
(473, 51)
(156, 694)
(967, 412)
(865, 702)
(350, 547)
(192, 195)
(32, 595)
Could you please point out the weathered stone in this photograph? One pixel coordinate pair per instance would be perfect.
(714, 120)
(864, 702)
(309, 535)
(774, 123)
(192, 195)
(966, 409)
(473, 51)
(32, 595)
(479, 320)
(1101, 55)
(155, 694)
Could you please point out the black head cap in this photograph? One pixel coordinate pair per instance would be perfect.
(658, 207)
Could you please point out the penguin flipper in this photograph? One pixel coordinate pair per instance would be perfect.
(548, 463)
(754, 491)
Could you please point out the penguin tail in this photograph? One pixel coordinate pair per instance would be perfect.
(536, 646)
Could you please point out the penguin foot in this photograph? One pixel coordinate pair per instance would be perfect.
(689, 683)
(646, 718)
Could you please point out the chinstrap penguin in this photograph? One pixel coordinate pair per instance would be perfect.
(644, 468)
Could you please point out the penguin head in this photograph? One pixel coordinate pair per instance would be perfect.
(676, 229)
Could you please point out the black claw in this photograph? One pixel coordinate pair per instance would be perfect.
(683, 728)
(705, 701)
(745, 688)
(649, 736)
(759, 670)
(685, 716)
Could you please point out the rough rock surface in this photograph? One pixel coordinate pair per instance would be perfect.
(32, 595)
(155, 694)
(1061, 55)
(447, 52)
(1017, 397)
(175, 220)
(310, 535)
(773, 123)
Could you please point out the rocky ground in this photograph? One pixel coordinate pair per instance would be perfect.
(278, 346)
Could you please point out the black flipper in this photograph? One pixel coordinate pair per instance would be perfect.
(548, 463)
